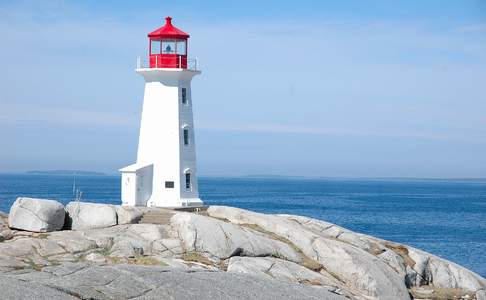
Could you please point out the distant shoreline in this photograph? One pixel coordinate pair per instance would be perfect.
(256, 177)
(65, 172)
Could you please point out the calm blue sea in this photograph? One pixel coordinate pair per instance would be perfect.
(445, 217)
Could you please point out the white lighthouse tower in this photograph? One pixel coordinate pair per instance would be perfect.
(165, 172)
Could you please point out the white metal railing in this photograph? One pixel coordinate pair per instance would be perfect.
(179, 63)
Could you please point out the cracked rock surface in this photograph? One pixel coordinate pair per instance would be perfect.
(83, 281)
(221, 253)
(36, 215)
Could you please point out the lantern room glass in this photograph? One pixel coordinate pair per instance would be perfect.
(155, 47)
(178, 47)
(168, 47)
(181, 47)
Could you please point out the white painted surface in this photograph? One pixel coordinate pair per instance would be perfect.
(161, 143)
(136, 184)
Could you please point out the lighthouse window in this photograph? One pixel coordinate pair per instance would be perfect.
(184, 96)
(168, 47)
(169, 184)
(181, 47)
(188, 181)
(155, 47)
(186, 136)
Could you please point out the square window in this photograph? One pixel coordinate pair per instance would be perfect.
(169, 184)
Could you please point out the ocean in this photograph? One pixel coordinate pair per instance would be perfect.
(444, 217)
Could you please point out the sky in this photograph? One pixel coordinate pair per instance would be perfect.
(299, 88)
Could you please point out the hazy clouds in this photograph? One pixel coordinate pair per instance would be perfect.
(332, 97)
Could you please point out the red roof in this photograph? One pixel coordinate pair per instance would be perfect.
(168, 31)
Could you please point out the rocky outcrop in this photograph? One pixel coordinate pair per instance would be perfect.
(225, 253)
(84, 281)
(442, 273)
(83, 215)
(369, 266)
(37, 215)
(223, 240)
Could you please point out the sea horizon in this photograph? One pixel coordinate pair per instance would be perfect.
(405, 178)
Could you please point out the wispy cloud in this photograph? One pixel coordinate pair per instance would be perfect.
(12, 114)
(381, 78)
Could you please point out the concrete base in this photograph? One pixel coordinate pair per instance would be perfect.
(188, 202)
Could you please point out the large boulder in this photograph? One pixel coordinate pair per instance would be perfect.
(84, 215)
(223, 240)
(38, 215)
(129, 214)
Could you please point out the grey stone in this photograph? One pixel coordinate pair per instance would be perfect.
(14, 289)
(8, 262)
(46, 247)
(443, 273)
(481, 294)
(329, 230)
(6, 234)
(38, 215)
(394, 260)
(219, 285)
(104, 237)
(129, 214)
(223, 240)
(282, 270)
(167, 247)
(153, 282)
(18, 247)
(266, 256)
(362, 271)
(95, 257)
(72, 241)
(137, 239)
(84, 215)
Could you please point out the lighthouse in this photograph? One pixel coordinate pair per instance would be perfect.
(165, 174)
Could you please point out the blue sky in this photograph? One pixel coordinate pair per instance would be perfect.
(317, 88)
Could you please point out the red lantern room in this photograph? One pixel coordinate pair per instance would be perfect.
(168, 47)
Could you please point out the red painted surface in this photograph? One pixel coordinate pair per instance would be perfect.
(168, 61)
(167, 33)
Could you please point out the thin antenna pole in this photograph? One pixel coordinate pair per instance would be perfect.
(74, 184)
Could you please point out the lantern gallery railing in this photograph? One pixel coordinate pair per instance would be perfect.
(178, 62)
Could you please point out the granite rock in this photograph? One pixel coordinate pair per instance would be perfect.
(83, 215)
(222, 240)
(37, 215)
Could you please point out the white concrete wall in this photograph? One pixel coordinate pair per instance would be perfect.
(136, 184)
(187, 152)
(128, 190)
(161, 136)
(144, 185)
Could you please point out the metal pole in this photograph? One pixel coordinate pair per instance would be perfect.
(180, 62)
(156, 61)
